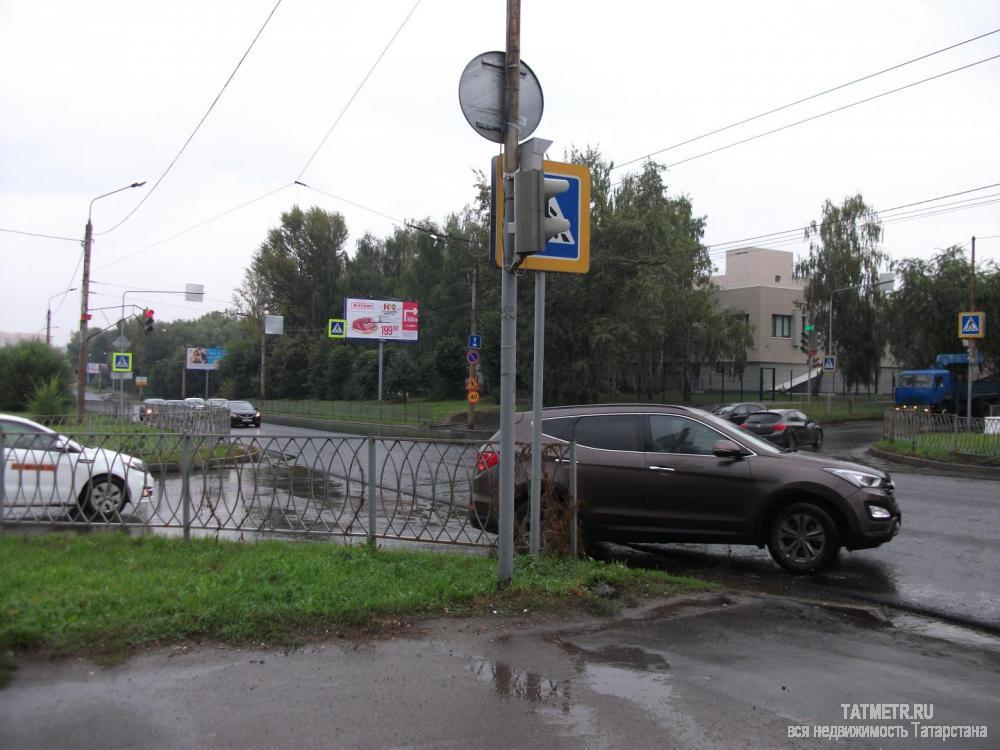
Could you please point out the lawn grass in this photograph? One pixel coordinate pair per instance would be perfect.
(974, 448)
(106, 594)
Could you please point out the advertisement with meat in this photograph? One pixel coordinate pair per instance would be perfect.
(386, 320)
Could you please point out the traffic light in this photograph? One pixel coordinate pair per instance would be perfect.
(533, 225)
(804, 342)
(147, 320)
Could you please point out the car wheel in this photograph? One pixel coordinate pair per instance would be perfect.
(818, 445)
(791, 442)
(803, 538)
(104, 497)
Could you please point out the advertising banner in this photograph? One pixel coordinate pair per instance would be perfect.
(386, 320)
(199, 358)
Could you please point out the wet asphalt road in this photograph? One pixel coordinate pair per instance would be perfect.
(943, 563)
(729, 671)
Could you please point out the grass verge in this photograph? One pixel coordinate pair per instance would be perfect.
(106, 594)
(924, 447)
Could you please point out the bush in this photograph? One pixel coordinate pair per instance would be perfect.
(50, 398)
(24, 368)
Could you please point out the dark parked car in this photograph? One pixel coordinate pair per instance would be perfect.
(649, 473)
(737, 412)
(242, 414)
(788, 428)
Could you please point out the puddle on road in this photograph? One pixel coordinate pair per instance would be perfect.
(628, 657)
(524, 684)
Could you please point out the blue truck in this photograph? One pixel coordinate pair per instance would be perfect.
(943, 389)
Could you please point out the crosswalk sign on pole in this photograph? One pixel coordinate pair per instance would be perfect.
(829, 363)
(337, 328)
(971, 325)
(121, 362)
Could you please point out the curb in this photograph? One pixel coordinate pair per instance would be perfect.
(364, 429)
(980, 472)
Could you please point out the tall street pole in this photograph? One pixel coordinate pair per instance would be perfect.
(81, 364)
(508, 295)
(88, 241)
(971, 342)
(473, 330)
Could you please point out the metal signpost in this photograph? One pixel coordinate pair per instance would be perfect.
(971, 326)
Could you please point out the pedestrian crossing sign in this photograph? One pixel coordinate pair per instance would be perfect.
(829, 363)
(121, 362)
(337, 328)
(971, 325)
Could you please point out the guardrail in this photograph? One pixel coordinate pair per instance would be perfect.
(421, 414)
(252, 488)
(963, 436)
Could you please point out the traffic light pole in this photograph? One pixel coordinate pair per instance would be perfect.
(508, 296)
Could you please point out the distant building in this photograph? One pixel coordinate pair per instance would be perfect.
(11, 339)
(761, 283)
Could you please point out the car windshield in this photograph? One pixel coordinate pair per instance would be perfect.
(724, 425)
(914, 380)
(723, 410)
(765, 417)
(241, 405)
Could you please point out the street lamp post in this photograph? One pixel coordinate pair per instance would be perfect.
(48, 315)
(88, 240)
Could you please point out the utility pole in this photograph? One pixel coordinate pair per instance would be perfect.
(81, 365)
(473, 330)
(971, 342)
(508, 295)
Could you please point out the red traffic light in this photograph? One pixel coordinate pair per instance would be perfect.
(148, 313)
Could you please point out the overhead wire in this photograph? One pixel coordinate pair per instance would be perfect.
(835, 110)
(805, 99)
(200, 123)
(353, 96)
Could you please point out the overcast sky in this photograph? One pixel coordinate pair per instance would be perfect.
(97, 95)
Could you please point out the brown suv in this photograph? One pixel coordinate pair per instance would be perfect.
(651, 473)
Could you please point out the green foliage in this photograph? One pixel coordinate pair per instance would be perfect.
(923, 312)
(109, 593)
(843, 266)
(49, 398)
(26, 367)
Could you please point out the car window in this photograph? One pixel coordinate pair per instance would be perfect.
(559, 427)
(764, 417)
(675, 434)
(25, 437)
(799, 416)
(612, 432)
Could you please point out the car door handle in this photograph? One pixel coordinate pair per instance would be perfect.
(667, 469)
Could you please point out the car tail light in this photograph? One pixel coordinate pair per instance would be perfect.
(779, 427)
(744, 426)
(487, 460)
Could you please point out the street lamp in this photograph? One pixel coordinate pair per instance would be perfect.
(88, 240)
(48, 314)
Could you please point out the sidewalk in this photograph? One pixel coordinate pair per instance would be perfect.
(714, 671)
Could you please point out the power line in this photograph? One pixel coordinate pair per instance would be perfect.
(798, 230)
(43, 236)
(198, 126)
(196, 226)
(357, 90)
(822, 114)
(805, 99)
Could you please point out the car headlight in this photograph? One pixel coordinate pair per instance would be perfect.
(857, 478)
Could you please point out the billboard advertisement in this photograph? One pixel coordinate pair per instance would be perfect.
(385, 320)
(200, 358)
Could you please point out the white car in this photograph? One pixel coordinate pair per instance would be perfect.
(44, 469)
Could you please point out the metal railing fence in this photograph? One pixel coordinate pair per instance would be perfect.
(252, 488)
(418, 414)
(963, 436)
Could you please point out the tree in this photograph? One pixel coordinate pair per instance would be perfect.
(922, 314)
(842, 270)
(26, 367)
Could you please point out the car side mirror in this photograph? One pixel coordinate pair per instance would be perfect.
(728, 449)
(68, 446)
